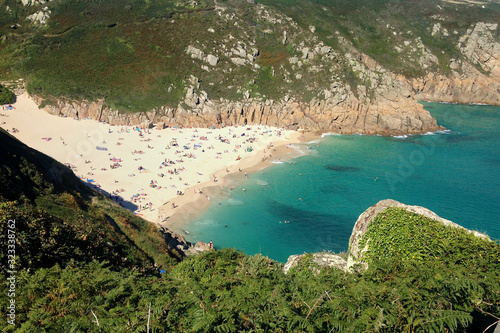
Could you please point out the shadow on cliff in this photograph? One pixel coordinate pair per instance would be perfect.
(116, 198)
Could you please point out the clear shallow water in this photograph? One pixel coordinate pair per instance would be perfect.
(455, 174)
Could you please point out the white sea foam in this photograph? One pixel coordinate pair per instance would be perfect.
(206, 222)
(299, 149)
(233, 202)
(400, 136)
(454, 103)
(261, 182)
(438, 132)
(329, 133)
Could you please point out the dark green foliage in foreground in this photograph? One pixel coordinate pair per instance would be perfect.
(58, 234)
(226, 291)
(6, 96)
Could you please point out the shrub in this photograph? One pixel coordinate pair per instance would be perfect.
(6, 96)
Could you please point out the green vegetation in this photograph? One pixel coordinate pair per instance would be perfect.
(86, 264)
(6, 96)
(226, 291)
(398, 234)
(132, 54)
(376, 27)
(82, 257)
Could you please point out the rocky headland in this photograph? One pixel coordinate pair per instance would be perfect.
(354, 257)
(303, 82)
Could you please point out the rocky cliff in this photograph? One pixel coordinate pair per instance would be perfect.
(355, 255)
(322, 69)
(475, 79)
(396, 115)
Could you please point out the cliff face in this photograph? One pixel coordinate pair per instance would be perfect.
(476, 79)
(381, 102)
(394, 115)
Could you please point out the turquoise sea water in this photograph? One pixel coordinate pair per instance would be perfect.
(455, 174)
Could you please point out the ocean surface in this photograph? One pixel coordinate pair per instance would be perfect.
(311, 203)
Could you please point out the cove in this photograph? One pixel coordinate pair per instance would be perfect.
(311, 203)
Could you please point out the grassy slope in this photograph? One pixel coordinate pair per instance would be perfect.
(59, 219)
(398, 234)
(132, 53)
(370, 26)
(128, 56)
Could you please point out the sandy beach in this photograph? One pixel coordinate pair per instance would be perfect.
(166, 176)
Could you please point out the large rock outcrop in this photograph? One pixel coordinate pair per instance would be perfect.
(183, 247)
(364, 220)
(355, 256)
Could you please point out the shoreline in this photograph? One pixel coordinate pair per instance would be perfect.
(144, 169)
(193, 204)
